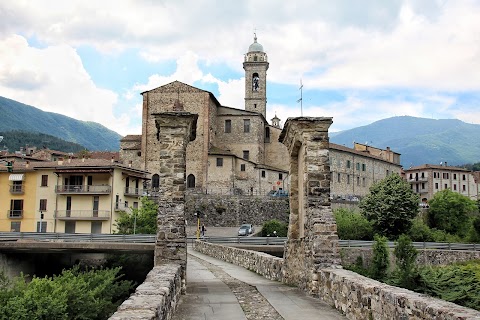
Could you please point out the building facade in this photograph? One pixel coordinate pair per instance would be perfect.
(236, 151)
(68, 196)
(428, 179)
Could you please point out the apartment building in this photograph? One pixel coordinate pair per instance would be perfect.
(71, 196)
(428, 179)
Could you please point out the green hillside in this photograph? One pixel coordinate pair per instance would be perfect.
(15, 139)
(419, 140)
(91, 135)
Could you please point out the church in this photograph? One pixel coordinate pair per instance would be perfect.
(236, 151)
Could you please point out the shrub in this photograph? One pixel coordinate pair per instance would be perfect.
(274, 225)
(352, 225)
(420, 231)
(405, 254)
(381, 260)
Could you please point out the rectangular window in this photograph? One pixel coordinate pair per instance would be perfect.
(43, 205)
(364, 167)
(280, 176)
(242, 167)
(219, 162)
(348, 179)
(348, 163)
(454, 176)
(16, 208)
(44, 180)
(228, 126)
(464, 188)
(364, 182)
(358, 166)
(135, 205)
(446, 186)
(70, 226)
(246, 154)
(263, 173)
(42, 226)
(15, 226)
(423, 185)
(463, 177)
(454, 187)
(339, 177)
(445, 175)
(436, 185)
(358, 181)
(96, 227)
(388, 172)
(246, 125)
(423, 174)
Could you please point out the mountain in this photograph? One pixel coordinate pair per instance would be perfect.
(419, 140)
(93, 136)
(18, 139)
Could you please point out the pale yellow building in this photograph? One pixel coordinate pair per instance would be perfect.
(71, 196)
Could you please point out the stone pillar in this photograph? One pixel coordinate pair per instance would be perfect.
(174, 131)
(312, 232)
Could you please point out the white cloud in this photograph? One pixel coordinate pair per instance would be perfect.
(53, 79)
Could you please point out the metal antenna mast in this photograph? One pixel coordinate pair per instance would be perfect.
(301, 98)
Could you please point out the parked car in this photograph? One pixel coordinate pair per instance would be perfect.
(278, 193)
(246, 229)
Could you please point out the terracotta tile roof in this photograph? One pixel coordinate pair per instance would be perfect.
(221, 152)
(437, 167)
(107, 155)
(132, 137)
(338, 147)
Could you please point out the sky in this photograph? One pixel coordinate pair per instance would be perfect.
(358, 61)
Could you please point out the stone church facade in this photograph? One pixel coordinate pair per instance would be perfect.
(236, 151)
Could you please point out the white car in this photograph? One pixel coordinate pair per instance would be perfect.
(246, 229)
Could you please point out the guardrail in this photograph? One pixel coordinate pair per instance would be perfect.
(150, 238)
(77, 237)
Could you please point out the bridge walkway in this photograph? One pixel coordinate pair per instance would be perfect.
(218, 290)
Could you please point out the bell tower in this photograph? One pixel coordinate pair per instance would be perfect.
(256, 66)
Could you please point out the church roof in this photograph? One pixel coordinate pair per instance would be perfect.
(255, 46)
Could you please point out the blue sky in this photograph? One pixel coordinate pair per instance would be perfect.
(359, 61)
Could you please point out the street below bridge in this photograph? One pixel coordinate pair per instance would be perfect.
(220, 290)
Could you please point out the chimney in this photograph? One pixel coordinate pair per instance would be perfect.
(445, 163)
(113, 159)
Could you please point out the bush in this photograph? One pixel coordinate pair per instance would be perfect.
(406, 273)
(352, 225)
(381, 260)
(268, 227)
(420, 231)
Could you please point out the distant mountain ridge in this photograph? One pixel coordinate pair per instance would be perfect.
(15, 115)
(419, 140)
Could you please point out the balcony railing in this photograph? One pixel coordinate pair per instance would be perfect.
(419, 179)
(135, 192)
(15, 214)
(17, 188)
(82, 214)
(95, 189)
(120, 206)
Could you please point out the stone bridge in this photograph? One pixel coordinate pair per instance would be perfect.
(312, 259)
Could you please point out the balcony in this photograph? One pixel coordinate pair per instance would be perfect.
(81, 189)
(17, 189)
(419, 179)
(15, 214)
(87, 215)
(135, 192)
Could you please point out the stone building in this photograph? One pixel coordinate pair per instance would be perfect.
(237, 151)
(428, 179)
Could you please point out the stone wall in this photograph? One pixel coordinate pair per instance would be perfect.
(232, 211)
(156, 298)
(425, 257)
(354, 295)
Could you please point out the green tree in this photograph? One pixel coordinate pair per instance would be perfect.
(405, 255)
(390, 206)
(381, 260)
(352, 225)
(451, 211)
(142, 220)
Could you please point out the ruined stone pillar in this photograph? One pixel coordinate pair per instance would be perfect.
(174, 131)
(312, 232)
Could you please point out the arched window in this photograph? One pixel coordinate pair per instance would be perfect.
(191, 181)
(255, 82)
(155, 181)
